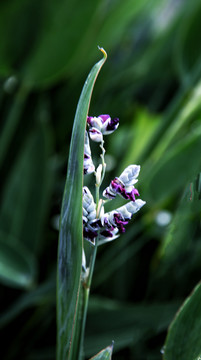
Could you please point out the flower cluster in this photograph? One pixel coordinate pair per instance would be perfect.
(97, 225)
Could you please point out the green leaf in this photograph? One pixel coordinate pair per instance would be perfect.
(27, 191)
(59, 39)
(172, 172)
(18, 17)
(188, 50)
(183, 341)
(124, 323)
(140, 130)
(105, 354)
(17, 264)
(12, 122)
(180, 233)
(70, 236)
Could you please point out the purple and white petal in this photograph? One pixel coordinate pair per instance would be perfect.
(119, 218)
(90, 234)
(95, 122)
(95, 134)
(102, 124)
(124, 184)
(110, 126)
(104, 118)
(108, 235)
(117, 187)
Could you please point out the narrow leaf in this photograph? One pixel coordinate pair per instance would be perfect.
(70, 237)
(26, 192)
(183, 340)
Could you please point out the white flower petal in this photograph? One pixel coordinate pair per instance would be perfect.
(129, 175)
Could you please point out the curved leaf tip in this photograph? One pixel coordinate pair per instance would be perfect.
(103, 51)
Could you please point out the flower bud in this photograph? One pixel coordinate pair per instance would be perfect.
(119, 217)
(124, 184)
(95, 135)
(129, 175)
(98, 174)
(101, 125)
(88, 163)
(89, 208)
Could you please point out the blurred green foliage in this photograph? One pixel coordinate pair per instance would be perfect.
(151, 81)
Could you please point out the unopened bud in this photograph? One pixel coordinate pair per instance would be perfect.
(98, 174)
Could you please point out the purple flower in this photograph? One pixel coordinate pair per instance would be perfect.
(90, 234)
(120, 222)
(101, 230)
(101, 125)
(124, 184)
(108, 227)
(119, 218)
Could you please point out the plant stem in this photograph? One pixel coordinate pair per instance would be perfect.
(102, 177)
(87, 283)
(86, 290)
(103, 161)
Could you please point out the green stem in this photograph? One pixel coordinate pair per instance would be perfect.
(102, 177)
(97, 197)
(87, 283)
(86, 289)
(103, 161)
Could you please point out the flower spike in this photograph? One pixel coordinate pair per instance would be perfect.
(99, 228)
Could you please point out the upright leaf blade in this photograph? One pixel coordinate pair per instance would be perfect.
(70, 237)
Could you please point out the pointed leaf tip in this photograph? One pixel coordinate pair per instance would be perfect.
(105, 354)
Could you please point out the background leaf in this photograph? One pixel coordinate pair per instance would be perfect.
(126, 324)
(183, 340)
(174, 165)
(23, 192)
(17, 264)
